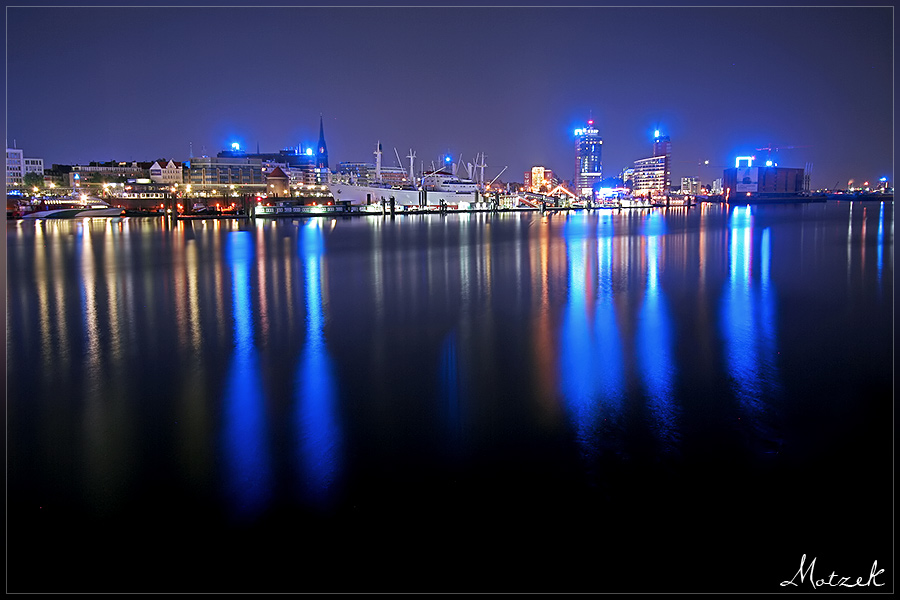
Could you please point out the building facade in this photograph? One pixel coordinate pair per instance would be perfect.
(108, 172)
(649, 176)
(15, 167)
(690, 186)
(34, 165)
(760, 182)
(540, 179)
(662, 147)
(363, 173)
(168, 172)
(588, 159)
(217, 173)
(278, 183)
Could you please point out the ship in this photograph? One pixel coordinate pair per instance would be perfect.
(434, 189)
(77, 207)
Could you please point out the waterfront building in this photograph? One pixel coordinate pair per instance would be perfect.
(716, 187)
(298, 164)
(690, 186)
(540, 179)
(662, 147)
(96, 173)
(215, 174)
(18, 166)
(34, 165)
(363, 173)
(588, 159)
(649, 176)
(653, 175)
(15, 167)
(166, 171)
(761, 182)
(278, 183)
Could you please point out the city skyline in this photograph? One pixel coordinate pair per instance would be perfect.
(512, 83)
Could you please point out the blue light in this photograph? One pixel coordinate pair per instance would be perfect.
(655, 341)
(245, 426)
(579, 131)
(747, 321)
(309, 151)
(656, 133)
(318, 429)
(768, 163)
(235, 146)
(880, 242)
(446, 159)
(589, 336)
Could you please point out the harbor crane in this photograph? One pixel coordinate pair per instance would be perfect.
(770, 149)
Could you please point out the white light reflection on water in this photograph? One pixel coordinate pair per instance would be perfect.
(246, 435)
(318, 429)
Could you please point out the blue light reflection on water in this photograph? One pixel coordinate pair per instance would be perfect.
(247, 454)
(748, 322)
(451, 386)
(578, 364)
(654, 341)
(318, 429)
(591, 371)
(609, 342)
(880, 241)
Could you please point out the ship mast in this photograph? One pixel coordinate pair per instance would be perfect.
(482, 165)
(412, 165)
(378, 162)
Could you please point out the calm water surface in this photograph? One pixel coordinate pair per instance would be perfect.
(647, 400)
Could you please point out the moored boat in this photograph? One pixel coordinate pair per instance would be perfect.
(79, 208)
(436, 188)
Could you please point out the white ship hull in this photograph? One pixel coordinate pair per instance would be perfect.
(360, 195)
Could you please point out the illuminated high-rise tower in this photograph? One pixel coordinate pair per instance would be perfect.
(662, 147)
(588, 159)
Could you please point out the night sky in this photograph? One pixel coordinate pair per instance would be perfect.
(128, 83)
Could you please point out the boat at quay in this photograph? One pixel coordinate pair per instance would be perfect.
(73, 208)
(437, 188)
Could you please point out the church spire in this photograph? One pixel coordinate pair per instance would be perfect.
(322, 152)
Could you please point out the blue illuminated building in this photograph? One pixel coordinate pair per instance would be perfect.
(588, 159)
